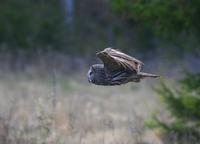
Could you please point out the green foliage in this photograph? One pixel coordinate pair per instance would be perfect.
(183, 102)
(31, 24)
(163, 16)
(27, 23)
(191, 82)
(174, 20)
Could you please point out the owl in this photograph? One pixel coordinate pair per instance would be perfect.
(117, 68)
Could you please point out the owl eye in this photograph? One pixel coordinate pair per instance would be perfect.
(90, 73)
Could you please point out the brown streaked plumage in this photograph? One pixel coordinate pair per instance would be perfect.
(117, 68)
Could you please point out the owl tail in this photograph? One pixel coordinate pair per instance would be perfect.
(146, 75)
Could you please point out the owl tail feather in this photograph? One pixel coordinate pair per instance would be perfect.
(145, 75)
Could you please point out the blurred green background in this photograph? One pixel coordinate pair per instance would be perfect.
(46, 47)
(78, 27)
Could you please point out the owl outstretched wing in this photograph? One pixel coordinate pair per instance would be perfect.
(115, 60)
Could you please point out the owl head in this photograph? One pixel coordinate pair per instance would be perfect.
(90, 74)
(96, 73)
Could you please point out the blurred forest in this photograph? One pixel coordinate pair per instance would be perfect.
(46, 47)
(75, 27)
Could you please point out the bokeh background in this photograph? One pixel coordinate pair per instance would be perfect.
(47, 46)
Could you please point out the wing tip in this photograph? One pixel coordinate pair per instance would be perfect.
(108, 49)
(105, 51)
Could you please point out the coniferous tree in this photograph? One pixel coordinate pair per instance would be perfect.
(183, 103)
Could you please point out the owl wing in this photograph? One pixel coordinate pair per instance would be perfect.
(115, 60)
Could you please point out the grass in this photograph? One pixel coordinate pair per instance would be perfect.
(67, 109)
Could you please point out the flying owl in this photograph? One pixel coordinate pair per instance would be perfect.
(117, 68)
